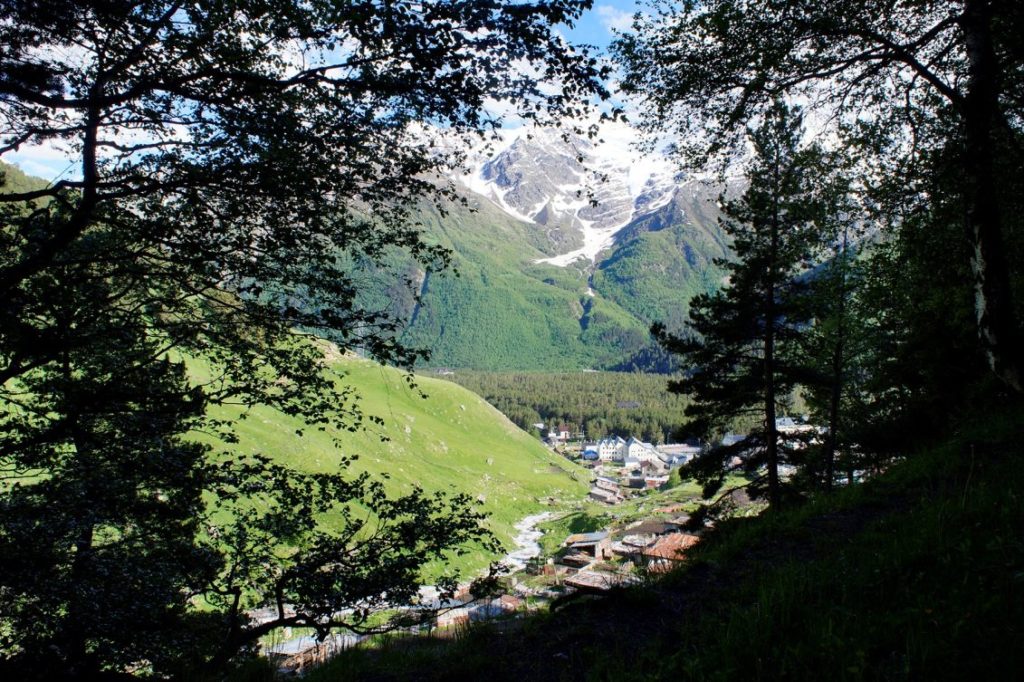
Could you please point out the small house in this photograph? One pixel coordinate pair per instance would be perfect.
(668, 551)
(593, 581)
(606, 496)
(594, 544)
(577, 560)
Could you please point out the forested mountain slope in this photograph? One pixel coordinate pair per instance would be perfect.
(563, 253)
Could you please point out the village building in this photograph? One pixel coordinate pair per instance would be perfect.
(668, 551)
(577, 560)
(611, 449)
(655, 482)
(638, 450)
(652, 528)
(596, 582)
(677, 454)
(559, 434)
(640, 536)
(641, 479)
(596, 545)
(789, 426)
(606, 496)
(732, 439)
(606, 490)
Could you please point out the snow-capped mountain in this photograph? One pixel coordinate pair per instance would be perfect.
(566, 249)
(582, 192)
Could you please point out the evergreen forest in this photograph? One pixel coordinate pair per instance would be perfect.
(593, 404)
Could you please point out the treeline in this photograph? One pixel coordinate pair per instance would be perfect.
(598, 403)
(877, 267)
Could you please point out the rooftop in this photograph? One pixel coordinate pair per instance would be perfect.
(672, 546)
(651, 527)
(593, 581)
(576, 538)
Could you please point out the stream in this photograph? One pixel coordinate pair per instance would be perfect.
(526, 542)
(527, 547)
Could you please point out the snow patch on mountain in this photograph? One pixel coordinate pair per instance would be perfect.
(588, 189)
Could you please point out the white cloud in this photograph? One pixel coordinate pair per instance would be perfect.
(49, 161)
(614, 19)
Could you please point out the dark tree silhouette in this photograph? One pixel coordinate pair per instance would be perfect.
(235, 163)
(707, 68)
(740, 356)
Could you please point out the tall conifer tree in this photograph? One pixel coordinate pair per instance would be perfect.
(740, 360)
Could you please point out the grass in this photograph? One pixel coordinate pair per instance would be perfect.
(450, 441)
(916, 575)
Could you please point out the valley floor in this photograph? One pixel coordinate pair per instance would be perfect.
(918, 574)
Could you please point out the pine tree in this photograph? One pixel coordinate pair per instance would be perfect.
(740, 360)
(832, 349)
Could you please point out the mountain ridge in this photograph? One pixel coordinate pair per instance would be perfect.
(557, 270)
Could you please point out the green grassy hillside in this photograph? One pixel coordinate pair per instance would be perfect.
(452, 440)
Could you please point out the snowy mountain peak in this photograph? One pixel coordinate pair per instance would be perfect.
(581, 191)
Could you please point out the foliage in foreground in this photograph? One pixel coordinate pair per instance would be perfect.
(227, 175)
(917, 104)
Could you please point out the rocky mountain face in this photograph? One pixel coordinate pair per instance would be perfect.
(570, 248)
(579, 191)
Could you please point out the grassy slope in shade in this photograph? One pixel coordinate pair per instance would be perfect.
(916, 575)
(452, 440)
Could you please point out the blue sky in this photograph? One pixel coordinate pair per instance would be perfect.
(595, 26)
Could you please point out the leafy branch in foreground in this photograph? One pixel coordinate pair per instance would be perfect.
(233, 164)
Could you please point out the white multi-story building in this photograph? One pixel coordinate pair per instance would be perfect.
(611, 449)
(641, 451)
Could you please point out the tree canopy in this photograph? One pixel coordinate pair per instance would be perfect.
(918, 283)
(907, 78)
(233, 165)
